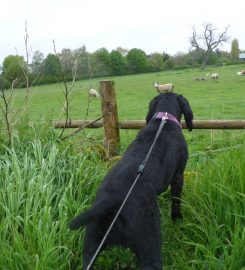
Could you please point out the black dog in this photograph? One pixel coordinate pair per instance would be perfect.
(138, 225)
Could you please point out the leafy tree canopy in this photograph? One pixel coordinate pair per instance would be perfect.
(137, 60)
(235, 49)
(117, 62)
(51, 65)
(13, 69)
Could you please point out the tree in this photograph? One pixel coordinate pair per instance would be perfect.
(82, 59)
(235, 50)
(155, 61)
(137, 60)
(117, 62)
(51, 69)
(165, 56)
(67, 61)
(13, 68)
(37, 61)
(123, 51)
(100, 62)
(208, 40)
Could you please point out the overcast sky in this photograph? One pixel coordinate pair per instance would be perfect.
(153, 26)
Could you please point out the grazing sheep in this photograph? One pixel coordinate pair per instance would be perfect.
(214, 76)
(93, 93)
(161, 88)
(138, 225)
(242, 72)
(200, 79)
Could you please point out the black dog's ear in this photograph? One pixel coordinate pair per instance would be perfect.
(152, 109)
(187, 111)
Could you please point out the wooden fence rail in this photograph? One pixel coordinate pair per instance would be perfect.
(112, 125)
(138, 124)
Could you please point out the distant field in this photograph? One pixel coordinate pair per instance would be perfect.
(222, 99)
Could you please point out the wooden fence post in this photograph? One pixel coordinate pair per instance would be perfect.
(110, 116)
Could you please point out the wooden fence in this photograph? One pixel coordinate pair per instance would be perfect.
(112, 125)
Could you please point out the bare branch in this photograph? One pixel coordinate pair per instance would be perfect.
(90, 86)
(26, 70)
(83, 127)
(211, 40)
(193, 39)
(67, 91)
(6, 110)
(208, 41)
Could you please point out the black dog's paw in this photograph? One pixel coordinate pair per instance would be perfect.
(176, 216)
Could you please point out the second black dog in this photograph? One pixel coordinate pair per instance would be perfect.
(138, 225)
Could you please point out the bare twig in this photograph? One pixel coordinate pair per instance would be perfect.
(83, 127)
(66, 92)
(27, 66)
(90, 72)
(74, 76)
(9, 114)
(26, 72)
(6, 110)
(25, 69)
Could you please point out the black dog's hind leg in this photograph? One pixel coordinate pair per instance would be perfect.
(145, 235)
(92, 240)
(176, 190)
(148, 250)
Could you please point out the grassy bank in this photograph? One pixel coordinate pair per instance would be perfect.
(44, 184)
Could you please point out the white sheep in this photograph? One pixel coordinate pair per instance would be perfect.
(241, 72)
(214, 76)
(161, 88)
(93, 93)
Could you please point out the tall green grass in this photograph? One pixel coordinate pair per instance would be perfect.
(43, 184)
(214, 205)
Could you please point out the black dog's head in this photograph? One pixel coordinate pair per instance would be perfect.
(174, 104)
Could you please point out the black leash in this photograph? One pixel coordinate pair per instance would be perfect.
(140, 172)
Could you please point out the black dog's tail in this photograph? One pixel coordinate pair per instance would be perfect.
(98, 210)
(81, 220)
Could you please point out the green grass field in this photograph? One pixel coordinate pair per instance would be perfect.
(222, 99)
(44, 183)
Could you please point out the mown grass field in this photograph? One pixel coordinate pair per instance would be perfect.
(44, 183)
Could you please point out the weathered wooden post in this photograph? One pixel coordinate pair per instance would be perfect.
(110, 116)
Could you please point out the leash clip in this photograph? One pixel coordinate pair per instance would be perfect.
(165, 117)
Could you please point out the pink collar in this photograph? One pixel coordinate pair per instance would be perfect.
(167, 116)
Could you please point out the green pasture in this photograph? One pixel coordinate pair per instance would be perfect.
(44, 183)
(221, 99)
